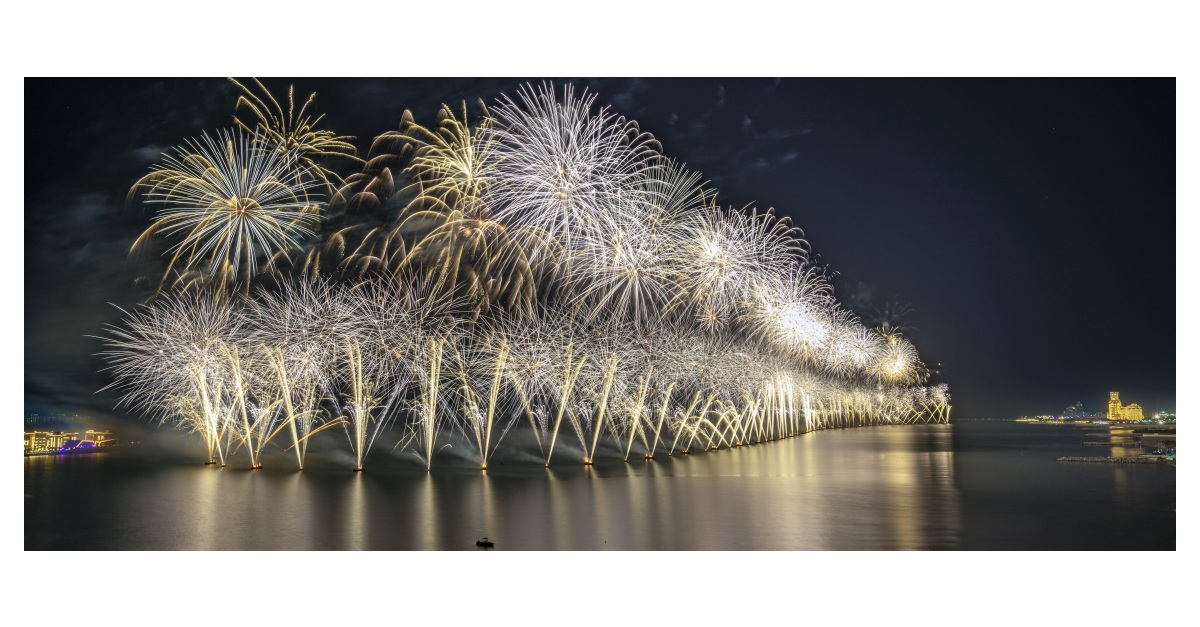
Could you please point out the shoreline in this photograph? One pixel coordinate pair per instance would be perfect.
(1120, 460)
(71, 452)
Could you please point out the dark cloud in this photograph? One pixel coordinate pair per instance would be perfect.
(147, 154)
(625, 98)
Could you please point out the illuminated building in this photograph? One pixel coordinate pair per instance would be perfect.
(1117, 412)
(99, 438)
(40, 441)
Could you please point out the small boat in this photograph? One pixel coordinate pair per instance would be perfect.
(485, 543)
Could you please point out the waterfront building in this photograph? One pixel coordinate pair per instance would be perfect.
(99, 438)
(41, 441)
(1119, 413)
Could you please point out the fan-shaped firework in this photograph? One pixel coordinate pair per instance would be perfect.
(167, 359)
(543, 268)
(300, 329)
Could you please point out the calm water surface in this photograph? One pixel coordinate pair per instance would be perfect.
(970, 485)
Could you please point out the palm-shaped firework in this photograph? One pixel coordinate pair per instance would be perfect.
(227, 204)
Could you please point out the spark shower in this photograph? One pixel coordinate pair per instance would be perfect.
(537, 266)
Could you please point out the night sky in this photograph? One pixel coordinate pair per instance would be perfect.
(1028, 224)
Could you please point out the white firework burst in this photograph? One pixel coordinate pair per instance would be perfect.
(228, 203)
(560, 168)
(725, 257)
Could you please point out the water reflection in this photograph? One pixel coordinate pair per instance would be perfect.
(1122, 443)
(298, 532)
(823, 490)
(357, 532)
(201, 520)
(865, 488)
(921, 494)
(427, 526)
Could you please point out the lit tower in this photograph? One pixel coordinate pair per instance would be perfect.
(1116, 412)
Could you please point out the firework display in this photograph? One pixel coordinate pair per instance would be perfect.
(536, 268)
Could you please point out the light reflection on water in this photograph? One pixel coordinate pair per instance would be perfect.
(866, 488)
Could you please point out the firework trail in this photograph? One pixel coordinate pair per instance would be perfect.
(293, 130)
